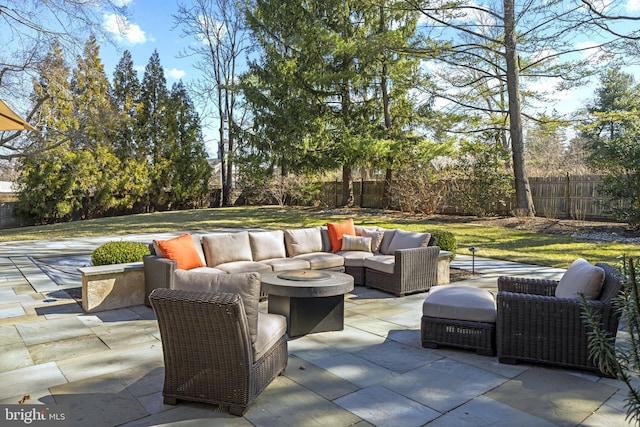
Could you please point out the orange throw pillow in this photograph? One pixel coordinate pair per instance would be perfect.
(182, 251)
(337, 230)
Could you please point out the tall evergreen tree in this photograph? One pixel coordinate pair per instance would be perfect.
(134, 173)
(47, 187)
(153, 141)
(190, 171)
(99, 168)
(327, 67)
(612, 134)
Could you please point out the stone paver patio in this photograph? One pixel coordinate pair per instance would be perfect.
(107, 367)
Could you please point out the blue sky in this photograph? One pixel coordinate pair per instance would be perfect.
(149, 28)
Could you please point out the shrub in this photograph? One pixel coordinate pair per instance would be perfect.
(119, 253)
(447, 241)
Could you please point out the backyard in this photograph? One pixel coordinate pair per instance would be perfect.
(107, 367)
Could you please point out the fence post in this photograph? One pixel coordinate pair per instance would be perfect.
(361, 193)
(567, 198)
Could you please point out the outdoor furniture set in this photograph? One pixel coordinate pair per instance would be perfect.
(392, 260)
(218, 348)
(535, 320)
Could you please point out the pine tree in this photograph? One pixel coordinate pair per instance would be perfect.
(134, 173)
(98, 167)
(47, 188)
(326, 92)
(153, 141)
(190, 171)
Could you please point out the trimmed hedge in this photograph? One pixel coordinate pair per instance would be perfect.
(447, 241)
(119, 253)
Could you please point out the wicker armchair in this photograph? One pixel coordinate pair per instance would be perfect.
(535, 326)
(208, 351)
(414, 270)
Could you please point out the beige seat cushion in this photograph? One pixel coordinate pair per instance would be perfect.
(407, 239)
(270, 328)
(460, 302)
(244, 267)
(383, 263)
(354, 258)
(303, 241)
(247, 285)
(321, 260)
(281, 264)
(581, 277)
(267, 244)
(220, 248)
(208, 270)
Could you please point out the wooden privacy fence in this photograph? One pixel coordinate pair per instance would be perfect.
(570, 197)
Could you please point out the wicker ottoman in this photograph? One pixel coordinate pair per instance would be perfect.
(459, 316)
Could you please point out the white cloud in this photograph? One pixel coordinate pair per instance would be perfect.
(123, 29)
(121, 3)
(633, 5)
(174, 73)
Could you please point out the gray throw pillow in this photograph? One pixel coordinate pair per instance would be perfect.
(376, 239)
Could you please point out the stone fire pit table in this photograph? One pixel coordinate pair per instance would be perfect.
(311, 300)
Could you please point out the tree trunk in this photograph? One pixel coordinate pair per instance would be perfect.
(226, 201)
(222, 152)
(347, 187)
(524, 201)
(388, 124)
(386, 190)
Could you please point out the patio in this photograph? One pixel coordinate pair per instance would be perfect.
(107, 367)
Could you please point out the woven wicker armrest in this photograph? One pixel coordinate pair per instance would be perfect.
(527, 285)
(417, 261)
(158, 273)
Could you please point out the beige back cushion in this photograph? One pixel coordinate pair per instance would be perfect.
(581, 277)
(386, 239)
(247, 285)
(267, 244)
(303, 241)
(226, 247)
(407, 239)
(362, 229)
(326, 240)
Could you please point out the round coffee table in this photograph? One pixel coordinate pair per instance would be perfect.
(311, 300)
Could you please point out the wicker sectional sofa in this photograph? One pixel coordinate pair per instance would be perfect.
(393, 260)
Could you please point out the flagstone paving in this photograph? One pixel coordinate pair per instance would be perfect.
(107, 367)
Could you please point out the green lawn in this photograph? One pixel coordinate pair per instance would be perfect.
(493, 242)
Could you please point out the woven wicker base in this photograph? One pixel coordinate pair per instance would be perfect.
(477, 336)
